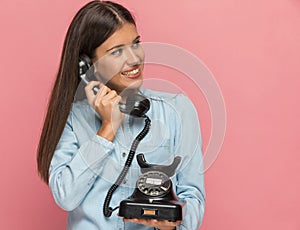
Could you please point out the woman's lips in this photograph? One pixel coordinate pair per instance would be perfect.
(133, 73)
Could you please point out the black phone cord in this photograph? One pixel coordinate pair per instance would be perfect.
(107, 211)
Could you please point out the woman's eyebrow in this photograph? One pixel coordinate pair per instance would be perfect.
(118, 46)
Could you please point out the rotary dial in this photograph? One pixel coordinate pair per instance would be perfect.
(154, 183)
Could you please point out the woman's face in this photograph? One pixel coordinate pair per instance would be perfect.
(119, 60)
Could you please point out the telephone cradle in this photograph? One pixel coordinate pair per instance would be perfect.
(153, 197)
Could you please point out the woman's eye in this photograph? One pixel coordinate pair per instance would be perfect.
(136, 44)
(117, 52)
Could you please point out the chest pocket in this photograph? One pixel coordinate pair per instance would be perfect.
(157, 152)
(157, 145)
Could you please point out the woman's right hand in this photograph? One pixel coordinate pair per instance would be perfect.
(106, 104)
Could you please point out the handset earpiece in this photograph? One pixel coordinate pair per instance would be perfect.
(86, 70)
(84, 64)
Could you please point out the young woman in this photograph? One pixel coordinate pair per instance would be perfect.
(84, 143)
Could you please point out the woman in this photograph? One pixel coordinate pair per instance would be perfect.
(84, 143)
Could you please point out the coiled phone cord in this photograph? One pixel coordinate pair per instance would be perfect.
(107, 211)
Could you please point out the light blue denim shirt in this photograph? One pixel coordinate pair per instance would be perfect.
(84, 165)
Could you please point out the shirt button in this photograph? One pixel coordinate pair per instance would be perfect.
(123, 154)
(124, 181)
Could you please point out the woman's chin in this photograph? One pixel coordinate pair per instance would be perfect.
(132, 87)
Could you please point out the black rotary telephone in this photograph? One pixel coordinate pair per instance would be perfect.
(153, 197)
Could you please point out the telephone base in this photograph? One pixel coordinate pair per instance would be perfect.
(143, 209)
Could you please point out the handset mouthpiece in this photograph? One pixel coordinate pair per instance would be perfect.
(136, 105)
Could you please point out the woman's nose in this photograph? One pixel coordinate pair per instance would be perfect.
(132, 57)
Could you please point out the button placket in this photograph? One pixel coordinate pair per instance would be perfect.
(123, 145)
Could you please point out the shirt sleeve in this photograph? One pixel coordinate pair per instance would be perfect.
(74, 169)
(190, 178)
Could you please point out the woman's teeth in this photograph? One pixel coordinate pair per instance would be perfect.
(130, 73)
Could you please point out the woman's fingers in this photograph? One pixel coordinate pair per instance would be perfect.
(89, 91)
(105, 96)
(110, 95)
(103, 90)
(163, 224)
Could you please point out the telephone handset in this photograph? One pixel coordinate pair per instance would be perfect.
(136, 104)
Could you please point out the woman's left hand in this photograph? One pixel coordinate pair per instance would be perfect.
(160, 224)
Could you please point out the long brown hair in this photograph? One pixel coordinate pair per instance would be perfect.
(91, 26)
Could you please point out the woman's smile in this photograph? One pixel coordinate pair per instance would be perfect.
(132, 73)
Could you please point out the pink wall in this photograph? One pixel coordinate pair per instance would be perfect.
(251, 47)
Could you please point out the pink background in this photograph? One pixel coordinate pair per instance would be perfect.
(251, 47)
